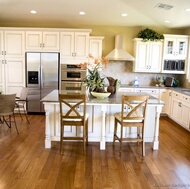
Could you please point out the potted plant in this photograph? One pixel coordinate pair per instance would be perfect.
(149, 34)
(93, 80)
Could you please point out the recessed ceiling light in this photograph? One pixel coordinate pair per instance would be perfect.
(82, 13)
(188, 10)
(33, 11)
(167, 21)
(124, 14)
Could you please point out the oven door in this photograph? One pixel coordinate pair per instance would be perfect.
(71, 86)
(73, 75)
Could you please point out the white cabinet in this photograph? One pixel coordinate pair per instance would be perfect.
(152, 92)
(175, 54)
(13, 43)
(175, 46)
(74, 46)
(42, 40)
(165, 95)
(148, 56)
(180, 109)
(121, 89)
(95, 46)
(12, 61)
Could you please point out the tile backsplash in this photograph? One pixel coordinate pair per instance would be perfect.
(124, 72)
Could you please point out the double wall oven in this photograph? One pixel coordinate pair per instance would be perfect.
(71, 77)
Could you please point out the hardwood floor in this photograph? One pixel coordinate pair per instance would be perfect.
(26, 164)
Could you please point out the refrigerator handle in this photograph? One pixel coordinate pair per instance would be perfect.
(41, 79)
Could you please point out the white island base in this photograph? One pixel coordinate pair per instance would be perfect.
(101, 120)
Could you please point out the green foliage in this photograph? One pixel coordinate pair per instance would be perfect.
(94, 81)
(149, 34)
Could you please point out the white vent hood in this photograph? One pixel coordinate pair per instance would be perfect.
(119, 53)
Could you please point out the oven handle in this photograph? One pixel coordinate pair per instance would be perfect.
(66, 81)
(73, 70)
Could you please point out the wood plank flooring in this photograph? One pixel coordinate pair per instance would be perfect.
(26, 164)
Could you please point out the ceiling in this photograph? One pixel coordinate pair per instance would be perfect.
(98, 12)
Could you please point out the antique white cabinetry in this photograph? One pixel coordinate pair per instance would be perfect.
(74, 46)
(180, 109)
(148, 56)
(165, 95)
(42, 40)
(152, 92)
(175, 54)
(95, 46)
(12, 61)
(175, 46)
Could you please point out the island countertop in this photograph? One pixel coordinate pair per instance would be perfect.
(101, 119)
(113, 99)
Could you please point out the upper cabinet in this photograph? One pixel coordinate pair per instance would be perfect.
(148, 56)
(175, 54)
(42, 40)
(175, 46)
(74, 46)
(12, 43)
(95, 46)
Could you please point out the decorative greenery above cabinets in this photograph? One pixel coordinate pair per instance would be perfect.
(149, 34)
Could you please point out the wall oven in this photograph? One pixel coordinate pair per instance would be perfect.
(71, 77)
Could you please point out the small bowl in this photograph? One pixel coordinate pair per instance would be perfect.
(100, 95)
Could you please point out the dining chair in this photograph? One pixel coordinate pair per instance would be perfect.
(73, 113)
(7, 105)
(133, 114)
(20, 103)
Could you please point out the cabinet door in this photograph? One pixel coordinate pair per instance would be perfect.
(14, 43)
(174, 111)
(163, 96)
(185, 114)
(141, 59)
(34, 40)
(181, 48)
(169, 47)
(14, 74)
(81, 45)
(2, 76)
(1, 45)
(1, 61)
(95, 46)
(51, 41)
(155, 56)
(67, 44)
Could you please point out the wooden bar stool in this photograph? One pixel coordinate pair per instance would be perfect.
(73, 113)
(133, 114)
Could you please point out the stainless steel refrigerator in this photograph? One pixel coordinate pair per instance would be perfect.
(42, 77)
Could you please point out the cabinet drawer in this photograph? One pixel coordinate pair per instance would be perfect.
(185, 98)
(176, 95)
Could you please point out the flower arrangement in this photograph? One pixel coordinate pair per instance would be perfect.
(93, 80)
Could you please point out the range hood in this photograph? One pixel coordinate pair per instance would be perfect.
(119, 53)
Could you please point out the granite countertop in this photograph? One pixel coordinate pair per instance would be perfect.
(113, 99)
(177, 89)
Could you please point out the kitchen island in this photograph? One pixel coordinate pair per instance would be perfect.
(101, 119)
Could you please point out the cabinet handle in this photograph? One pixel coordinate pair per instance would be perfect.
(43, 45)
(5, 52)
(2, 52)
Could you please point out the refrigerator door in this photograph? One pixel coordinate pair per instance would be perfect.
(33, 81)
(49, 74)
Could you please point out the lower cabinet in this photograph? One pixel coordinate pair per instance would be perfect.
(180, 109)
(165, 95)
